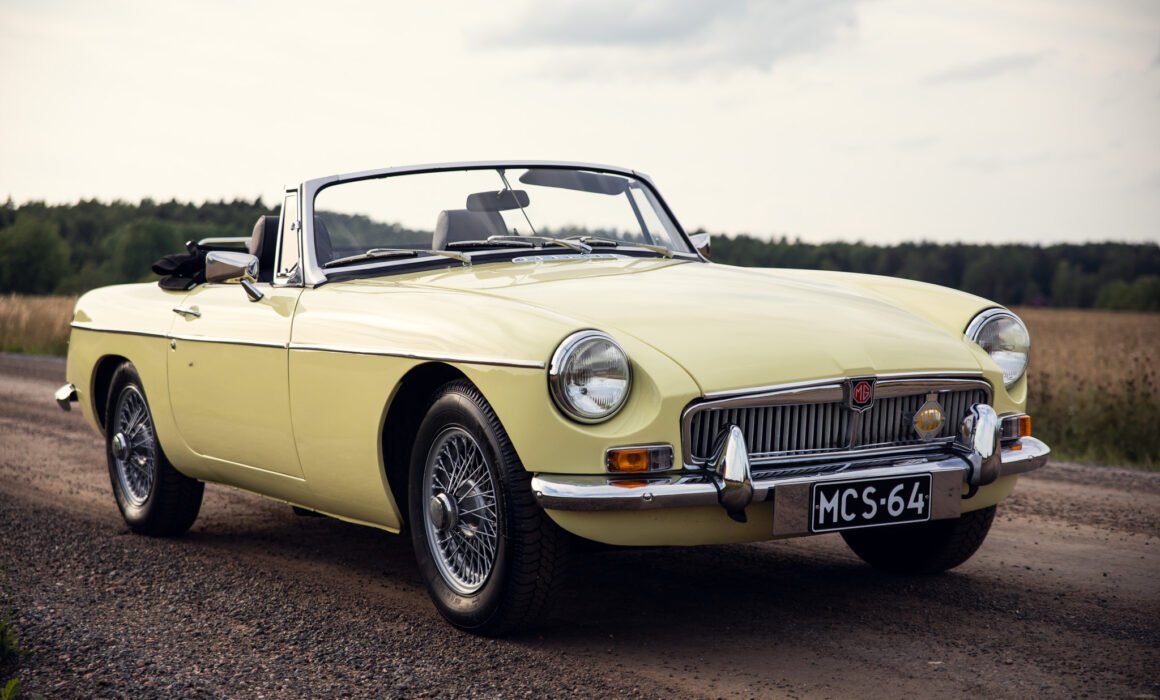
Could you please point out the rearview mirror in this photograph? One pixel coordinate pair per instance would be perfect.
(700, 241)
(225, 267)
(503, 200)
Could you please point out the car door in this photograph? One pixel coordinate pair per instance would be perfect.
(228, 376)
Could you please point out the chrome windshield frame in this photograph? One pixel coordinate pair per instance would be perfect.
(313, 273)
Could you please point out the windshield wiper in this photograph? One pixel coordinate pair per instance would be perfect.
(489, 243)
(522, 242)
(578, 246)
(597, 242)
(375, 253)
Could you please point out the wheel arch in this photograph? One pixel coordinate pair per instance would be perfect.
(401, 423)
(102, 381)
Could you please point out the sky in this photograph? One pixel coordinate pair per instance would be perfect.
(881, 121)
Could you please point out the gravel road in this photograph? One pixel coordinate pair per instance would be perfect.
(1063, 599)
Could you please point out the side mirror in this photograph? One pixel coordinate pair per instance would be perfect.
(223, 266)
(701, 243)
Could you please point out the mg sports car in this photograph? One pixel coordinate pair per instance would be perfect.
(497, 358)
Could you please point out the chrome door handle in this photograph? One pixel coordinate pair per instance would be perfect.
(191, 312)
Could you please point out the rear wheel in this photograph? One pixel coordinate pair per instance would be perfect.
(924, 548)
(154, 498)
(489, 554)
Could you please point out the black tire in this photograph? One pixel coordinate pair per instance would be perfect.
(493, 590)
(925, 548)
(154, 498)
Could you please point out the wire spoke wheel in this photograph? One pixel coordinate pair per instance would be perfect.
(133, 446)
(462, 518)
(490, 555)
(153, 496)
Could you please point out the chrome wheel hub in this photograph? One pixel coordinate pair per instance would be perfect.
(120, 446)
(462, 523)
(133, 446)
(444, 515)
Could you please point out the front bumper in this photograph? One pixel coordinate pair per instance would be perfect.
(790, 495)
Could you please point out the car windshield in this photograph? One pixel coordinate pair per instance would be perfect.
(415, 215)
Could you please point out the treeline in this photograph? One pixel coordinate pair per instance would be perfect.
(71, 248)
(1119, 276)
(67, 249)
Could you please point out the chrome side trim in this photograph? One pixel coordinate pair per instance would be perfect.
(228, 341)
(65, 397)
(116, 331)
(459, 359)
(351, 350)
(595, 493)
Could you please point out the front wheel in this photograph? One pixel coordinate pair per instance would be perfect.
(923, 548)
(154, 498)
(489, 554)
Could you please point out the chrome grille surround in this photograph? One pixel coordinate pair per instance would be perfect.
(790, 427)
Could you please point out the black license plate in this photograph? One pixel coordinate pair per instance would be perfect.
(889, 500)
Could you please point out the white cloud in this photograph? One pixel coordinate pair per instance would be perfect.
(986, 69)
(604, 38)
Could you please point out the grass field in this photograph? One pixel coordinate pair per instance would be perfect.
(35, 325)
(1095, 389)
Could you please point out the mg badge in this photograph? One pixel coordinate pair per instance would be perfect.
(929, 419)
(860, 394)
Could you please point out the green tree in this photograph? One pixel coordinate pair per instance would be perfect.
(133, 248)
(33, 256)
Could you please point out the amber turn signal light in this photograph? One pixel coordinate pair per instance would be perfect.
(628, 460)
(1015, 427)
(635, 460)
(1024, 426)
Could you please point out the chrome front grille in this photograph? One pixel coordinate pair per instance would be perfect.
(804, 422)
(889, 421)
(783, 430)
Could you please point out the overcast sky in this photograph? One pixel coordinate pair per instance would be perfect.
(881, 121)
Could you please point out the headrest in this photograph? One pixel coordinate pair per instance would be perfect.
(264, 244)
(265, 231)
(464, 225)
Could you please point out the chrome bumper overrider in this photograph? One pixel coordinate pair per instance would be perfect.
(66, 396)
(977, 460)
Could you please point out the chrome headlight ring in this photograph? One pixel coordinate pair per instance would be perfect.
(1005, 338)
(589, 377)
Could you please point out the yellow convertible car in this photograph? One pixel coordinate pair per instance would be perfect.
(498, 357)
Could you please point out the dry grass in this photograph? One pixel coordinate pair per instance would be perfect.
(1095, 388)
(35, 324)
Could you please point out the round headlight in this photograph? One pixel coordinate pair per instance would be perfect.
(1005, 339)
(589, 377)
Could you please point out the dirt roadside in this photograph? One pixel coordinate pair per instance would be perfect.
(1063, 599)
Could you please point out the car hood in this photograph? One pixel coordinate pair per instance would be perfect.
(732, 328)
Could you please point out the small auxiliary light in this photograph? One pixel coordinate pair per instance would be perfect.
(639, 459)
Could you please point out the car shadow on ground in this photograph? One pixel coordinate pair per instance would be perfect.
(610, 593)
